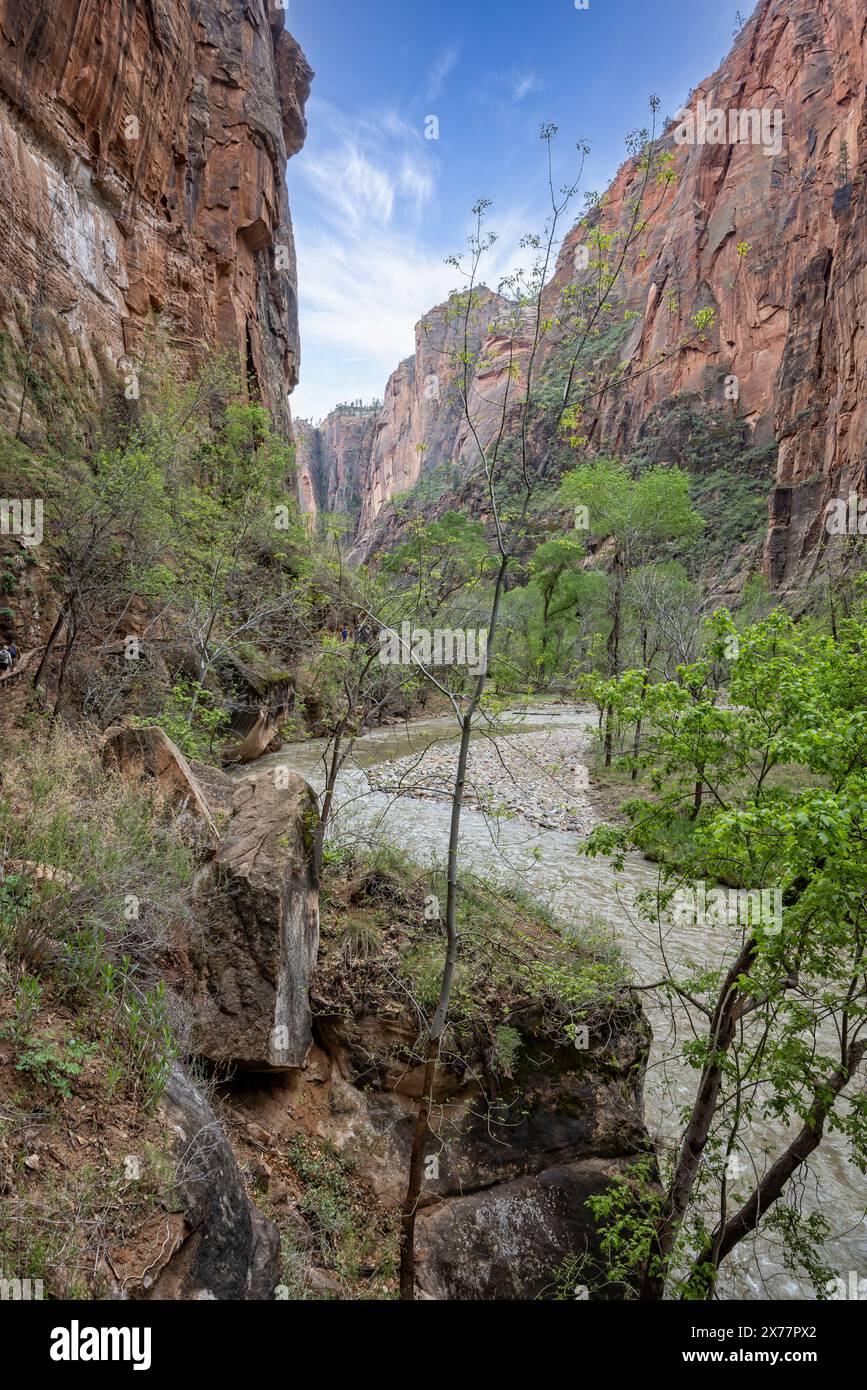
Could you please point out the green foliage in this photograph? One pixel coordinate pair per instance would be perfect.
(192, 719)
(184, 503)
(796, 697)
(349, 1235)
(508, 1045)
(548, 624)
(28, 1001)
(54, 1065)
(636, 513)
(627, 1214)
(55, 1230)
(145, 1044)
(730, 476)
(359, 940)
(512, 951)
(115, 870)
(441, 559)
(636, 516)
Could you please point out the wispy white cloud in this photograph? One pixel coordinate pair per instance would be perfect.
(442, 68)
(505, 90)
(361, 297)
(416, 182)
(351, 186)
(364, 295)
(523, 83)
(369, 267)
(367, 168)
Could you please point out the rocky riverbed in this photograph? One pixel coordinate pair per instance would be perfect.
(541, 776)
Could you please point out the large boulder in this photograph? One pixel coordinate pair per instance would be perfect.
(558, 1105)
(253, 944)
(148, 754)
(260, 730)
(259, 695)
(225, 1248)
(511, 1241)
(512, 1158)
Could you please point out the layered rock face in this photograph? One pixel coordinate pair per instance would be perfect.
(358, 459)
(142, 160)
(332, 459)
(149, 755)
(421, 426)
(511, 1161)
(769, 232)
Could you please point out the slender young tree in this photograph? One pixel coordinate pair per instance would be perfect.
(511, 463)
(636, 515)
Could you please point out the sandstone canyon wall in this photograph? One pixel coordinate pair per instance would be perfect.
(142, 162)
(332, 459)
(790, 309)
(421, 426)
(792, 314)
(356, 460)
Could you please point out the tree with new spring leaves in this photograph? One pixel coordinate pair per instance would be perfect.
(511, 465)
(441, 560)
(548, 622)
(634, 515)
(780, 1023)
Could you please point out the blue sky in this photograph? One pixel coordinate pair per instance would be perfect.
(377, 207)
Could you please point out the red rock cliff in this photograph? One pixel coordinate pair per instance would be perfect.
(791, 313)
(142, 161)
(792, 319)
(332, 460)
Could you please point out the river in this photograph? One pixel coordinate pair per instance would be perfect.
(588, 892)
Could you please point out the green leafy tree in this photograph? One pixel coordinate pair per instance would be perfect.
(548, 624)
(780, 1025)
(636, 516)
(440, 560)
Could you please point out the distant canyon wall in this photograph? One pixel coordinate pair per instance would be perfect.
(331, 460)
(773, 237)
(142, 161)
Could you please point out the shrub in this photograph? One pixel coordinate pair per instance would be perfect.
(191, 718)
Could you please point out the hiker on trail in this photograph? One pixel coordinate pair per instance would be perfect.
(13, 652)
(345, 633)
(5, 660)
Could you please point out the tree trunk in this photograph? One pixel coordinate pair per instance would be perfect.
(49, 646)
(695, 1137)
(416, 1173)
(327, 800)
(614, 654)
(770, 1188)
(636, 746)
(438, 1022)
(71, 634)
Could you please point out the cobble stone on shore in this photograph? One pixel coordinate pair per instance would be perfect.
(541, 776)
